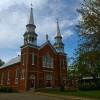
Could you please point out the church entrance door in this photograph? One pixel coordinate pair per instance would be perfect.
(32, 81)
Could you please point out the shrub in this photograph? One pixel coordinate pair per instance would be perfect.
(87, 87)
(62, 88)
(7, 89)
(71, 89)
(98, 84)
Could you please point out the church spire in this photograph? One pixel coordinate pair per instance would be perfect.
(30, 36)
(58, 29)
(59, 46)
(31, 18)
(31, 26)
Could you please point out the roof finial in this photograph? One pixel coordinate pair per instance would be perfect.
(46, 37)
(31, 5)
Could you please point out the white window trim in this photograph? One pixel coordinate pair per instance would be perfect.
(8, 78)
(16, 76)
(48, 63)
(49, 77)
(33, 59)
(16, 81)
(2, 77)
(23, 60)
(22, 74)
(8, 82)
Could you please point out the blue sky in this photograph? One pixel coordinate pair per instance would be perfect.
(14, 16)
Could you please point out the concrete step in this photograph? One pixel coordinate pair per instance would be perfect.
(31, 90)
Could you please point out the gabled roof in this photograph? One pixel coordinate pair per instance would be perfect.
(48, 43)
(11, 62)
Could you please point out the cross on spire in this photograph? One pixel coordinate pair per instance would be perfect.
(31, 5)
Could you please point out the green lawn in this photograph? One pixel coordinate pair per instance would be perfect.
(88, 94)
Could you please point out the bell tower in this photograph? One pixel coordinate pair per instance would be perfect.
(30, 36)
(59, 46)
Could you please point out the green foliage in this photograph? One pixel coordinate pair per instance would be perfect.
(98, 84)
(70, 73)
(87, 60)
(62, 88)
(87, 87)
(89, 94)
(89, 84)
(1, 62)
(6, 89)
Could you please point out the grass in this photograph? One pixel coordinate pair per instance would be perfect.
(87, 94)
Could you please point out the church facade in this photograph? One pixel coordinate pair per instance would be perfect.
(37, 67)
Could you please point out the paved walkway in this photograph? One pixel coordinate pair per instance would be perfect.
(36, 96)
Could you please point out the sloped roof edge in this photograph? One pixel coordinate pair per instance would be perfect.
(11, 62)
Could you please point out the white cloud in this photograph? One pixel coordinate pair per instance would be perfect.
(14, 16)
(47, 26)
(67, 33)
(67, 23)
(11, 28)
(5, 4)
(12, 22)
(18, 53)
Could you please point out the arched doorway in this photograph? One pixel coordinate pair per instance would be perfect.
(32, 81)
(49, 80)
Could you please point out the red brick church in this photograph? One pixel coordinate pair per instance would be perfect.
(37, 67)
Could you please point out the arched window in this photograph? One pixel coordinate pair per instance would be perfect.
(22, 74)
(8, 78)
(16, 75)
(2, 78)
(47, 61)
(33, 59)
(49, 79)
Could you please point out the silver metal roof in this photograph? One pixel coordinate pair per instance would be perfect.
(11, 62)
(31, 19)
(58, 29)
(87, 78)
